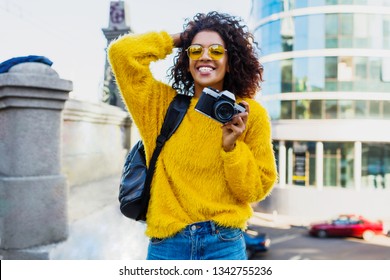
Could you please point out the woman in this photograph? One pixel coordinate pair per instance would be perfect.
(207, 174)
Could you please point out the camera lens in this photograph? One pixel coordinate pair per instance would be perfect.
(223, 111)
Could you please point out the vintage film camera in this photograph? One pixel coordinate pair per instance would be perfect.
(219, 106)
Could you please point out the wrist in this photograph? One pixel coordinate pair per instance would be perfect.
(176, 40)
(229, 148)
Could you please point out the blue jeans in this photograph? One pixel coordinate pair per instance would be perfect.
(200, 241)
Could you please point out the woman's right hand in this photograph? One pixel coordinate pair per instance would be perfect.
(232, 130)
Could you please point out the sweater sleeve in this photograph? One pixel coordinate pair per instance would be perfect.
(250, 168)
(145, 97)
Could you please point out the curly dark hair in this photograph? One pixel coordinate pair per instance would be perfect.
(245, 71)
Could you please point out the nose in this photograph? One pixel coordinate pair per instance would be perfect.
(205, 55)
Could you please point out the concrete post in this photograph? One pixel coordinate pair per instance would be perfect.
(282, 163)
(320, 165)
(33, 192)
(357, 165)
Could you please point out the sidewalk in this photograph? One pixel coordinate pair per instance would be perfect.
(95, 218)
(97, 229)
(276, 220)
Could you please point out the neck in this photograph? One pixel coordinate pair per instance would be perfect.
(198, 90)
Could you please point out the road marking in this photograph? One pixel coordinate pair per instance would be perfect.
(299, 257)
(283, 238)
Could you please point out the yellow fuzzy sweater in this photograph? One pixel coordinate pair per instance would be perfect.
(195, 179)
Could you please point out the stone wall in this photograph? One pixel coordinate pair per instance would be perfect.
(96, 138)
(55, 157)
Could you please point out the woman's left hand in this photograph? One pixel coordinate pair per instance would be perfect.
(234, 129)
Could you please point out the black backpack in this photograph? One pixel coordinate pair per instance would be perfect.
(136, 179)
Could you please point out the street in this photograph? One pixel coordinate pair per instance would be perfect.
(293, 243)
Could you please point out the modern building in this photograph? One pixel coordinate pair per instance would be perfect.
(327, 90)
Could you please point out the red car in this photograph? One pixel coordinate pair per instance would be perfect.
(347, 226)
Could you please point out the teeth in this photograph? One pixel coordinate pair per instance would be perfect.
(205, 69)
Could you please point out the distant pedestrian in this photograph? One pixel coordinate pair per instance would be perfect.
(208, 173)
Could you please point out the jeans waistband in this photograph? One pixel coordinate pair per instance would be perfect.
(207, 227)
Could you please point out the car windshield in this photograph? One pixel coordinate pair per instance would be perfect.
(346, 220)
(340, 222)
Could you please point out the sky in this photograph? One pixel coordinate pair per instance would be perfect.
(68, 32)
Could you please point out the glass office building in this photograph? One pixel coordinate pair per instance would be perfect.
(327, 90)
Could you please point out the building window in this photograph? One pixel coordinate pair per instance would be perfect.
(361, 108)
(338, 164)
(346, 109)
(301, 158)
(331, 67)
(286, 112)
(318, 31)
(385, 72)
(287, 79)
(344, 69)
(361, 68)
(302, 109)
(375, 109)
(386, 109)
(376, 165)
(315, 109)
(328, 109)
(316, 74)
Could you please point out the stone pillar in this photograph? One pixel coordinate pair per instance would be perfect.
(33, 192)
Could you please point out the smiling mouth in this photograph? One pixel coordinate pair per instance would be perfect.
(205, 69)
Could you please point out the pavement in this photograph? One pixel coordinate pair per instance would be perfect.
(98, 231)
(276, 220)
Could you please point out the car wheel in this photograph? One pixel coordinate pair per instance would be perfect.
(322, 234)
(368, 235)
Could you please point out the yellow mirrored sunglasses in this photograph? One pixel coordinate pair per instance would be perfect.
(215, 52)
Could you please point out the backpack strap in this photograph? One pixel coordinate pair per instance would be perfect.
(175, 114)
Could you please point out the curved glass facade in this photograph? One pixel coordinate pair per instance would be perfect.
(324, 72)
(265, 8)
(320, 31)
(326, 60)
(317, 74)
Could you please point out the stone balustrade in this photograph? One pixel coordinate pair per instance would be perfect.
(49, 144)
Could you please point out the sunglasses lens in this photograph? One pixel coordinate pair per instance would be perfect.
(195, 52)
(216, 52)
